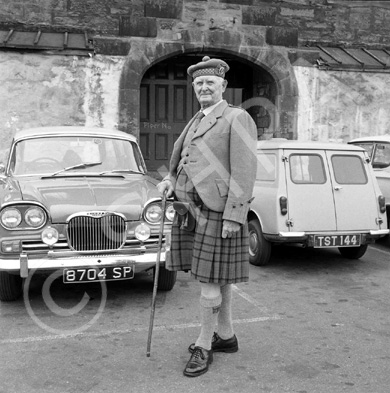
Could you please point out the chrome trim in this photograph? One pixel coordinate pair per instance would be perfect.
(28, 205)
(141, 262)
(89, 233)
(379, 232)
(292, 234)
(89, 213)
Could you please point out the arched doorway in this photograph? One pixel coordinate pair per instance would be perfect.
(167, 103)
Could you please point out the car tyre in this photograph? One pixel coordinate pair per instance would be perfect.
(353, 252)
(10, 286)
(166, 279)
(259, 247)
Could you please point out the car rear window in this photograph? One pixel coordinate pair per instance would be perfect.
(307, 169)
(349, 169)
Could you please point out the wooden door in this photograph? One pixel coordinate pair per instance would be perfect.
(167, 104)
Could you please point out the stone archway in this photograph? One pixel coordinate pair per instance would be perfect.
(144, 54)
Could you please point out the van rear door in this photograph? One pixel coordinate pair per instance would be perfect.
(354, 193)
(309, 191)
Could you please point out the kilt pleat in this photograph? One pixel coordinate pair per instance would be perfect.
(203, 251)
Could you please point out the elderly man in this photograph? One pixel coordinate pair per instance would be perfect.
(212, 173)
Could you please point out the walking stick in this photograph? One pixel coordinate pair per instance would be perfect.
(156, 276)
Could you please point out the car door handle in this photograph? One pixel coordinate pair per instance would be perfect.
(338, 188)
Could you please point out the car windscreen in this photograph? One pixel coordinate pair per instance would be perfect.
(381, 156)
(349, 169)
(368, 146)
(48, 155)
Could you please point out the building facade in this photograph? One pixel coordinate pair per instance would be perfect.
(304, 69)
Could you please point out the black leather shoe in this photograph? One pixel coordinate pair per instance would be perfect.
(199, 362)
(219, 345)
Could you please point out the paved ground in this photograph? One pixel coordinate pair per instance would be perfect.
(311, 322)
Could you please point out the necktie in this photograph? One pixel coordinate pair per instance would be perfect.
(191, 132)
(198, 118)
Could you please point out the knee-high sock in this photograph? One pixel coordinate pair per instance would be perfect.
(209, 308)
(225, 321)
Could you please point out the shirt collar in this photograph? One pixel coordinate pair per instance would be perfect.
(209, 109)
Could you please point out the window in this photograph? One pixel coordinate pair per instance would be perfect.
(49, 155)
(307, 169)
(349, 169)
(381, 156)
(368, 146)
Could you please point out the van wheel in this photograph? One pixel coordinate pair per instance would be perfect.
(166, 279)
(259, 247)
(353, 252)
(10, 286)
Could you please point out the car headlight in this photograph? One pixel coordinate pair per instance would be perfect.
(35, 217)
(153, 213)
(50, 236)
(169, 212)
(10, 218)
(142, 232)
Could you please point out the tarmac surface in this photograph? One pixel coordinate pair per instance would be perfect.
(310, 322)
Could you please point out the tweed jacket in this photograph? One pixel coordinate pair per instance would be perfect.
(221, 160)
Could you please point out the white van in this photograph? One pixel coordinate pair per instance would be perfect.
(315, 194)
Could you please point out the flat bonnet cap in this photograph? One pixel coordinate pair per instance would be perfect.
(208, 66)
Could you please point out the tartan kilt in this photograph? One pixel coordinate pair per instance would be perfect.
(203, 251)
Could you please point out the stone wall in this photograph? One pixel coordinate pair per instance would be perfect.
(341, 105)
(132, 35)
(39, 90)
(289, 21)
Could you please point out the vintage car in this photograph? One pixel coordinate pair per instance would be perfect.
(314, 194)
(78, 200)
(378, 148)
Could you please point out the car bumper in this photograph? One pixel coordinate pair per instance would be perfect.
(308, 238)
(65, 260)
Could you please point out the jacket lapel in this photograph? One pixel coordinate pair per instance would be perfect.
(209, 121)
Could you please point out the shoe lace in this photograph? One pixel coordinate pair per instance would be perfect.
(198, 353)
(215, 337)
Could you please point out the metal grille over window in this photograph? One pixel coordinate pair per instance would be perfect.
(96, 233)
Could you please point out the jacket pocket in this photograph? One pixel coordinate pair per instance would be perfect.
(222, 185)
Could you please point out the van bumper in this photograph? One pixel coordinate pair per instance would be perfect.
(307, 239)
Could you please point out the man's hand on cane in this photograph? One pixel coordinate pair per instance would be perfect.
(165, 186)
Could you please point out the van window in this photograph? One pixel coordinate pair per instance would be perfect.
(307, 169)
(266, 167)
(349, 169)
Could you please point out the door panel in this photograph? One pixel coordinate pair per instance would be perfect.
(355, 199)
(166, 106)
(309, 191)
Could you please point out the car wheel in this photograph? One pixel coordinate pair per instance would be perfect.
(353, 252)
(259, 247)
(166, 279)
(10, 286)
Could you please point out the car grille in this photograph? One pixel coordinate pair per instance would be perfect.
(87, 233)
